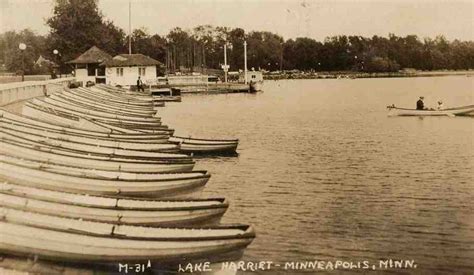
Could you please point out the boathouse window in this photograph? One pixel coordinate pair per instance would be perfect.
(141, 71)
(119, 71)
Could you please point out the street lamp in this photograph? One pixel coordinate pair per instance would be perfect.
(226, 67)
(22, 47)
(56, 53)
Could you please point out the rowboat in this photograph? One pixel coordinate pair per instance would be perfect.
(67, 99)
(69, 240)
(126, 98)
(129, 103)
(203, 146)
(93, 161)
(78, 98)
(55, 116)
(458, 111)
(159, 146)
(32, 174)
(96, 115)
(166, 151)
(86, 138)
(115, 210)
(38, 124)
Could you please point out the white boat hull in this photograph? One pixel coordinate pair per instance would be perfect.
(459, 111)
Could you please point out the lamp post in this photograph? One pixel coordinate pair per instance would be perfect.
(226, 67)
(56, 54)
(22, 47)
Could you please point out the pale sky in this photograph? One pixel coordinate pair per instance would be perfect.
(289, 18)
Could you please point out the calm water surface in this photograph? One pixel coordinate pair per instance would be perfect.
(324, 174)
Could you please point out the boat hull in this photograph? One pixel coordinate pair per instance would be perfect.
(205, 146)
(459, 111)
(33, 177)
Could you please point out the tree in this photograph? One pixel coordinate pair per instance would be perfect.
(77, 25)
(13, 57)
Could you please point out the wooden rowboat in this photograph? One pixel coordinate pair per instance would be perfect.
(167, 151)
(150, 212)
(458, 111)
(94, 114)
(77, 98)
(81, 104)
(102, 142)
(41, 125)
(167, 185)
(93, 161)
(205, 146)
(48, 237)
(85, 137)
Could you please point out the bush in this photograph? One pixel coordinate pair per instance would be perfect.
(381, 64)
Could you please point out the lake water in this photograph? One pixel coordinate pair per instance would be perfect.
(324, 174)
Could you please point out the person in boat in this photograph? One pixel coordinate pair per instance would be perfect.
(140, 85)
(420, 105)
(440, 105)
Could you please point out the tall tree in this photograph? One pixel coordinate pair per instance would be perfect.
(77, 25)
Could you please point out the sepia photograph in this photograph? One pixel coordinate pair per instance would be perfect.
(236, 137)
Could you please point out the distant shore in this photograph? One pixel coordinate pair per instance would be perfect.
(353, 75)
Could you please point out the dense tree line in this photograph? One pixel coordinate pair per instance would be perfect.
(76, 25)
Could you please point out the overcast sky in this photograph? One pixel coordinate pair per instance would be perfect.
(289, 18)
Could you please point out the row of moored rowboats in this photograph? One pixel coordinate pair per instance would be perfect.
(92, 176)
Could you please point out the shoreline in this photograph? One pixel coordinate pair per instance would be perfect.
(354, 75)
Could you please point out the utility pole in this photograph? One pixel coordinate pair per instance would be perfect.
(245, 61)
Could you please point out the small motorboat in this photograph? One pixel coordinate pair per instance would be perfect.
(205, 146)
(458, 111)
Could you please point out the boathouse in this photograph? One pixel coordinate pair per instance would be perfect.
(124, 69)
(87, 65)
(252, 76)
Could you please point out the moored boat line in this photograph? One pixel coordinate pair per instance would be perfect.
(97, 180)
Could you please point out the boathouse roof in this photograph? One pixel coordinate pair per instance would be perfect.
(125, 60)
(92, 55)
